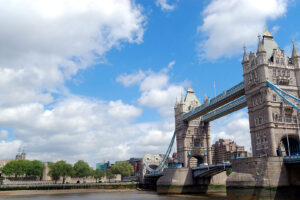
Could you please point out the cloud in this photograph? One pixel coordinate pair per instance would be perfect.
(131, 79)
(234, 127)
(44, 43)
(229, 24)
(8, 149)
(164, 5)
(3, 133)
(156, 89)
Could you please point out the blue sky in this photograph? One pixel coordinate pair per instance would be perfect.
(97, 80)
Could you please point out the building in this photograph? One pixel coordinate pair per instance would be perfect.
(136, 163)
(273, 122)
(21, 156)
(226, 150)
(192, 137)
(103, 165)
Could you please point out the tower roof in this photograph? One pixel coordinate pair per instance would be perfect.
(267, 33)
(295, 51)
(190, 98)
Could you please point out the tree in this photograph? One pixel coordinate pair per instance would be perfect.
(60, 169)
(228, 172)
(35, 168)
(16, 167)
(81, 169)
(109, 174)
(98, 174)
(123, 168)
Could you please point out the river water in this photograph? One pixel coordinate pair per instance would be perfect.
(130, 195)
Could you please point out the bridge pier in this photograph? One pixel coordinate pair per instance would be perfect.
(182, 181)
(263, 177)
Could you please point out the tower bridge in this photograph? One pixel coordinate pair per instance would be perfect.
(270, 91)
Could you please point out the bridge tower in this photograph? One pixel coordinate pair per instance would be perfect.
(193, 137)
(270, 136)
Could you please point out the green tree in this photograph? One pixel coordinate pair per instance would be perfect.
(16, 167)
(81, 169)
(60, 169)
(35, 168)
(109, 174)
(123, 168)
(228, 172)
(98, 174)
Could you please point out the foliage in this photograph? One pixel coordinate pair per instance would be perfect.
(60, 169)
(98, 174)
(228, 172)
(35, 168)
(1, 180)
(123, 168)
(23, 167)
(109, 174)
(81, 169)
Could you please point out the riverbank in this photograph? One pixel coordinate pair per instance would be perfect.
(66, 191)
(103, 186)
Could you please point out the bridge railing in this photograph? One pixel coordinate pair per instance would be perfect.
(222, 96)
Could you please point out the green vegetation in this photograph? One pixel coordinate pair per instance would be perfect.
(228, 172)
(81, 169)
(98, 174)
(23, 167)
(60, 169)
(123, 168)
(109, 174)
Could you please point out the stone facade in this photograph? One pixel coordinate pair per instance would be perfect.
(267, 111)
(193, 138)
(152, 160)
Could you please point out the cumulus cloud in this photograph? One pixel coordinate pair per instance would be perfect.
(131, 79)
(229, 24)
(164, 5)
(43, 43)
(3, 133)
(156, 89)
(234, 127)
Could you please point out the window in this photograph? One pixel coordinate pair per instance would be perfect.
(274, 72)
(288, 73)
(195, 130)
(274, 98)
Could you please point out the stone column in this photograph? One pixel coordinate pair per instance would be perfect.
(208, 148)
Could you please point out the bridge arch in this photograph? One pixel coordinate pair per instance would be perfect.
(196, 161)
(288, 144)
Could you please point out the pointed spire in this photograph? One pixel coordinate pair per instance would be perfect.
(267, 33)
(295, 52)
(181, 99)
(260, 47)
(245, 58)
(176, 103)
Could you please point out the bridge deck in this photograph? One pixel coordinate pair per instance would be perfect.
(295, 159)
(210, 170)
(222, 99)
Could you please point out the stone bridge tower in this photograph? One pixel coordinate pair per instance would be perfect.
(270, 136)
(193, 137)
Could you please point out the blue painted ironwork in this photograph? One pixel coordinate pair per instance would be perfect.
(162, 165)
(210, 170)
(295, 159)
(226, 94)
(282, 95)
(223, 109)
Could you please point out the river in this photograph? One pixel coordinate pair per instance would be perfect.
(125, 195)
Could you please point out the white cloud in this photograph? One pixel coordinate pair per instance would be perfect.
(131, 79)
(164, 5)
(8, 149)
(43, 43)
(234, 127)
(229, 24)
(3, 133)
(156, 89)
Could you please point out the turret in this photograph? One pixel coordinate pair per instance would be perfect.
(295, 56)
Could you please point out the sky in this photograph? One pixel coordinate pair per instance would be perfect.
(97, 80)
